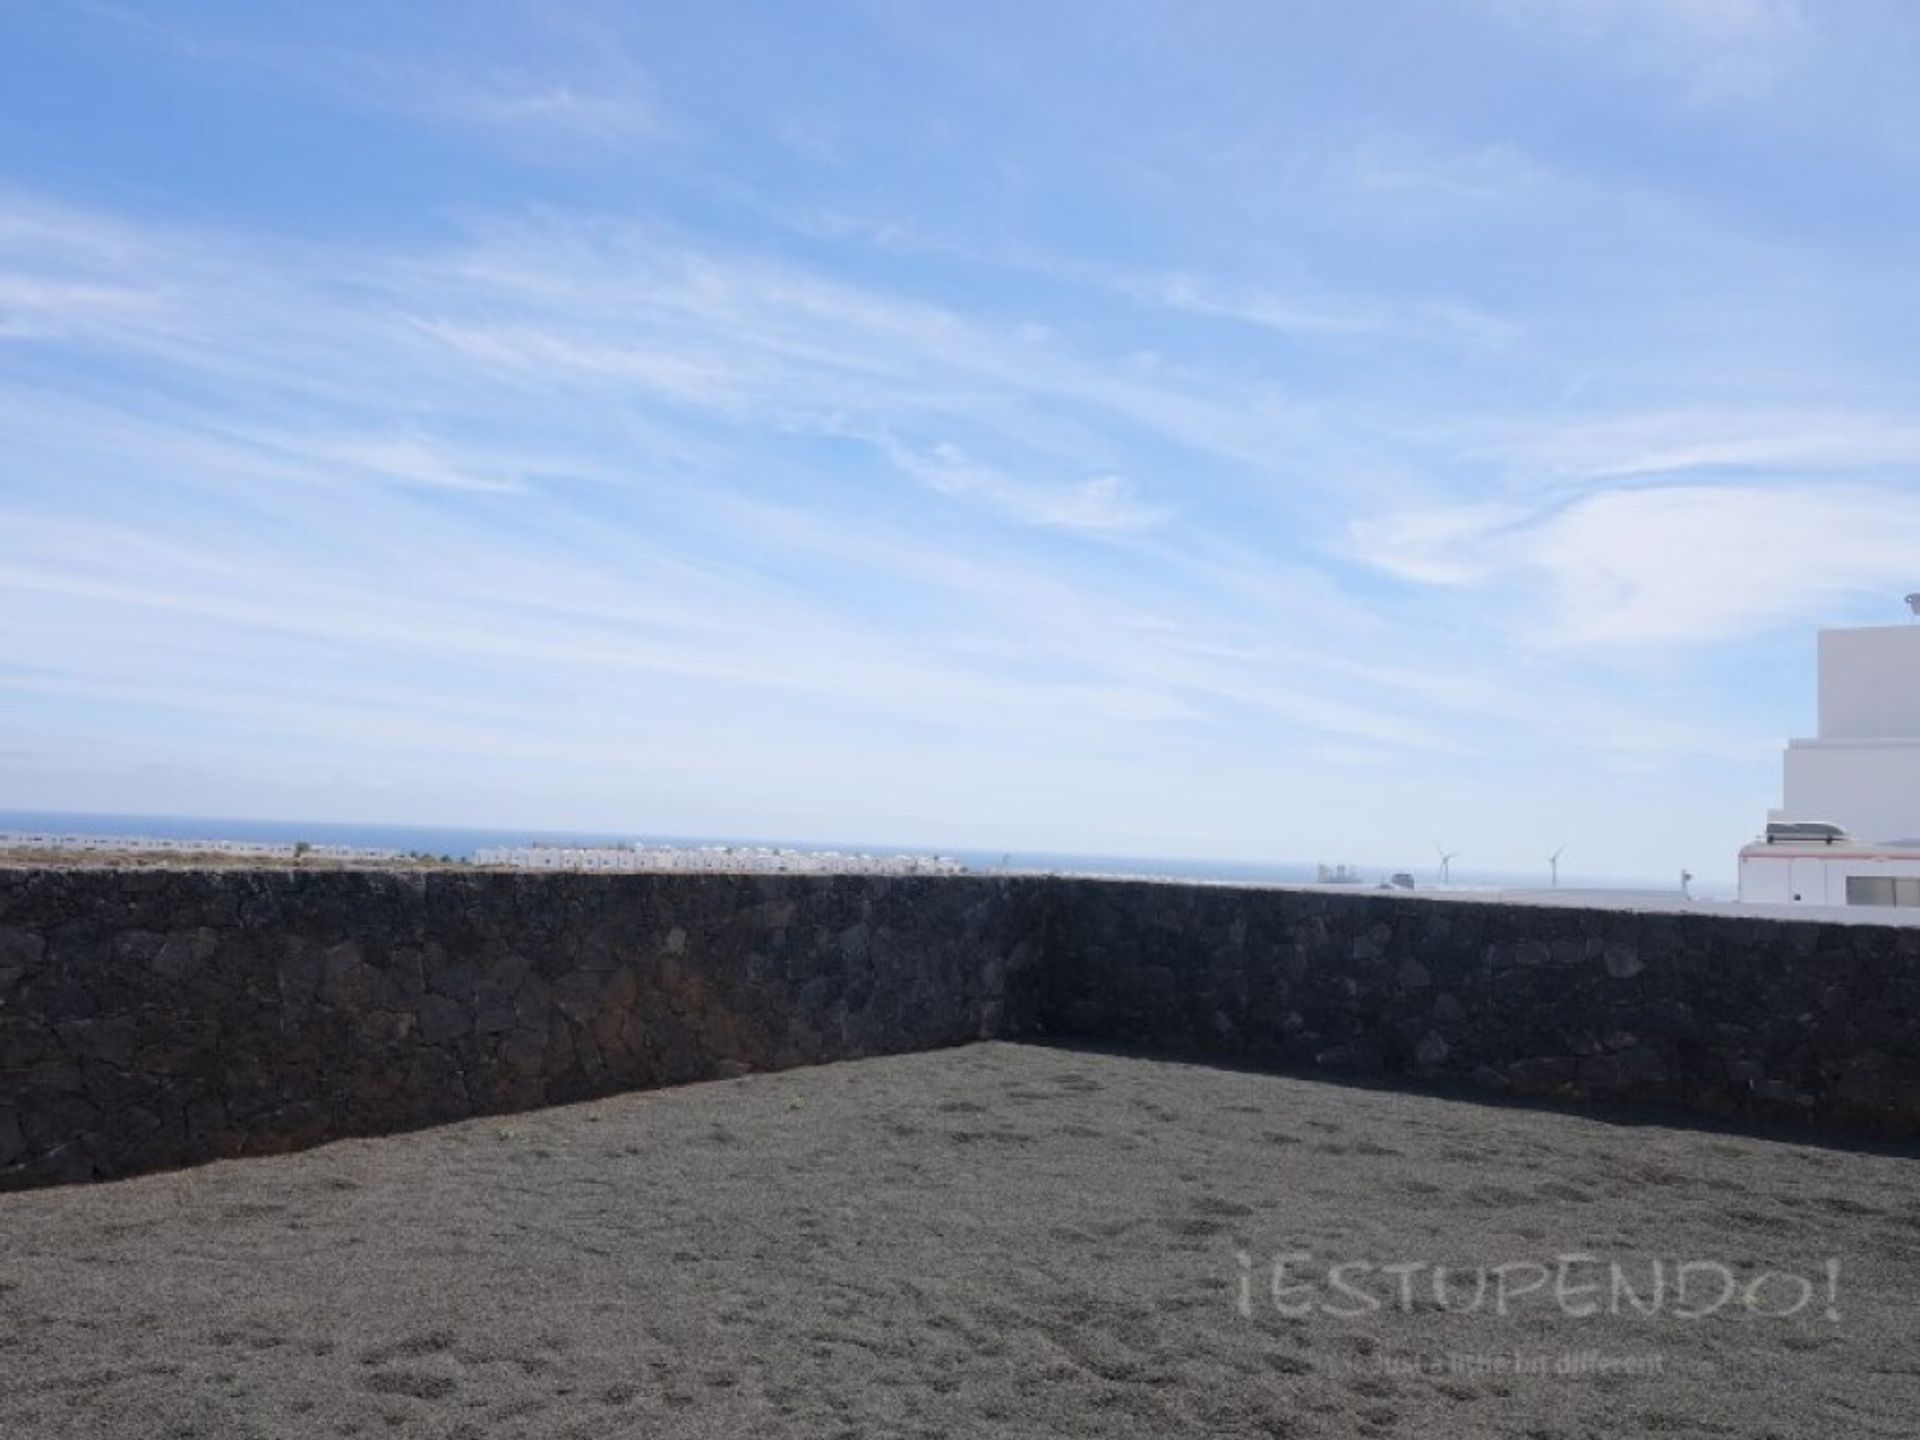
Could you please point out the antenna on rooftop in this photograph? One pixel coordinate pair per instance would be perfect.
(1447, 857)
(1553, 863)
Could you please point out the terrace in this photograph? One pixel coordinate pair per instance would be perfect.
(749, 1154)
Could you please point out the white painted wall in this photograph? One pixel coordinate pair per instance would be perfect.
(1873, 789)
(1763, 881)
(1788, 875)
(1870, 683)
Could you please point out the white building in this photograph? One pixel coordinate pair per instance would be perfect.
(1863, 771)
(1848, 830)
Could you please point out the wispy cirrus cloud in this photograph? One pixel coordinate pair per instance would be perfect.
(1678, 442)
(570, 80)
(1682, 564)
(1715, 51)
(514, 103)
(1302, 311)
(354, 373)
(1420, 170)
(1096, 503)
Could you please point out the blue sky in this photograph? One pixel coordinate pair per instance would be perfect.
(1303, 430)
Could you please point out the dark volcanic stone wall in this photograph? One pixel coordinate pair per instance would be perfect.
(1739, 1018)
(153, 1017)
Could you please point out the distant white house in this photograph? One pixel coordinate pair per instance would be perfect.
(1848, 830)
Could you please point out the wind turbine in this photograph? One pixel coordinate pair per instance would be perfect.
(1447, 857)
(1553, 861)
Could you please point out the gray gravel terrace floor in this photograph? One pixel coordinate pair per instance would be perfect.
(992, 1241)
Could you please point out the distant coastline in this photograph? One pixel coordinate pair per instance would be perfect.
(460, 844)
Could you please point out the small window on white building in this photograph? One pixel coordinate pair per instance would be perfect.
(1870, 890)
(1883, 890)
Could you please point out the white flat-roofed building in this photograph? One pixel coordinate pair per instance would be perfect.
(1862, 771)
(1848, 829)
(1795, 871)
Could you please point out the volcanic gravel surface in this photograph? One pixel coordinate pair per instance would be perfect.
(996, 1240)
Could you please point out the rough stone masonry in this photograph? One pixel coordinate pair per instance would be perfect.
(1740, 1018)
(151, 1018)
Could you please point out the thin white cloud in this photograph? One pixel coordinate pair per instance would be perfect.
(515, 104)
(42, 305)
(571, 82)
(408, 458)
(1445, 546)
(1303, 312)
(510, 102)
(1267, 311)
(1423, 171)
(1674, 565)
(1708, 22)
(1700, 563)
(1714, 52)
(1098, 503)
(1675, 442)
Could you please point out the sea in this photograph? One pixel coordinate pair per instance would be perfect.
(460, 843)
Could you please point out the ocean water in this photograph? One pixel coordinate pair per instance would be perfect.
(460, 844)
